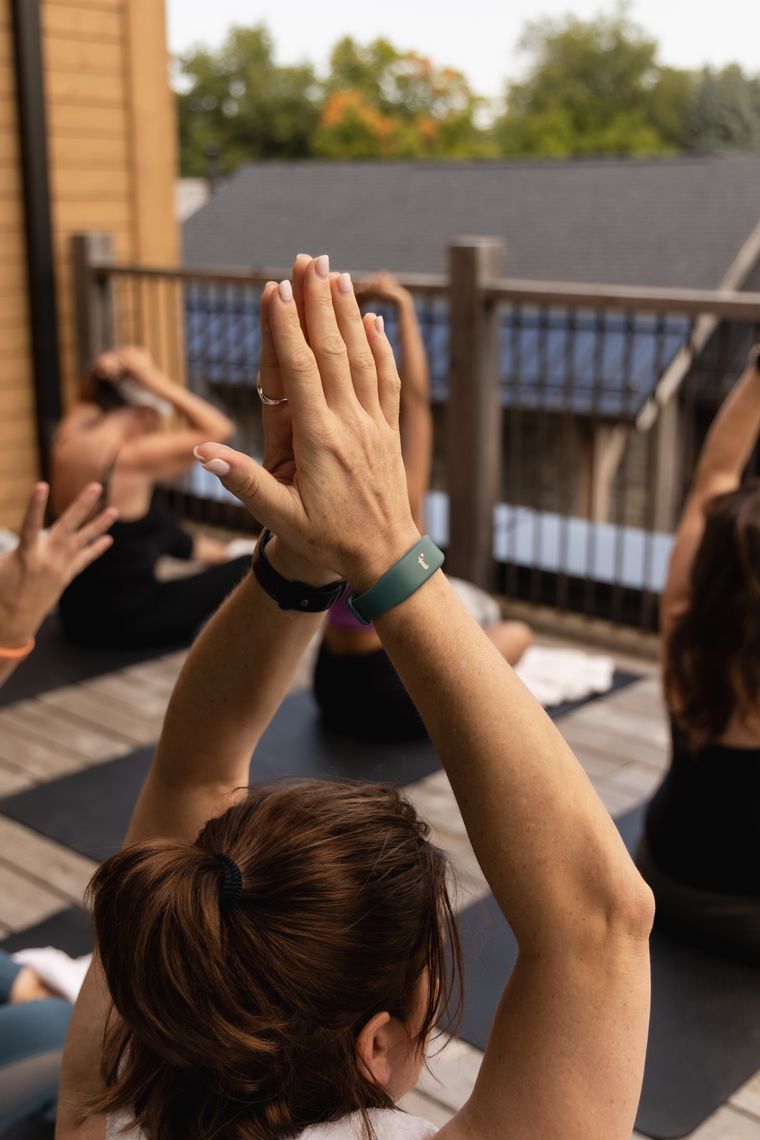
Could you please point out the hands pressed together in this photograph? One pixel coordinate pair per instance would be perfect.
(332, 486)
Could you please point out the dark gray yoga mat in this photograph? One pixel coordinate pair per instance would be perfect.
(69, 930)
(56, 662)
(90, 810)
(705, 1032)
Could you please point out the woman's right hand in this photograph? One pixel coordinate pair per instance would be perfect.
(345, 504)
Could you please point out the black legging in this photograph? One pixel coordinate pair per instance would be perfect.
(362, 695)
(156, 613)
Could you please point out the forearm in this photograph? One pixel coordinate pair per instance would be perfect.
(547, 846)
(413, 365)
(416, 421)
(209, 421)
(233, 681)
(733, 434)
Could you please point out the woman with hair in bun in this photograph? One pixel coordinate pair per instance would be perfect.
(701, 850)
(271, 961)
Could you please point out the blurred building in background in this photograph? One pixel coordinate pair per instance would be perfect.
(87, 143)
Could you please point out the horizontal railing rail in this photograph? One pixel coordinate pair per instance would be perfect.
(568, 416)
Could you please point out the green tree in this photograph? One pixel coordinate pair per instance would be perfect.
(724, 113)
(594, 87)
(384, 102)
(238, 103)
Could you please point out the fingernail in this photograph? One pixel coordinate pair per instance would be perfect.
(344, 283)
(322, 265)
(197, 454)
(379, 324)
(285, 289)
(217, 467)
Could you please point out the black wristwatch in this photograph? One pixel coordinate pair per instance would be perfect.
(292, 595)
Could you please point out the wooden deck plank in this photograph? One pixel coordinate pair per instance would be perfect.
(48, 863)
(51, 726)
(13, 780)
(728, 1124)
(747, 1099)
(132, 691)
(105, 712)
(36, 758)
(24, 900)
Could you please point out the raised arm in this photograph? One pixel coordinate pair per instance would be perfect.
(725, 454)
(569, 1039)
(416, 420)
(235, 676)
(164, 454)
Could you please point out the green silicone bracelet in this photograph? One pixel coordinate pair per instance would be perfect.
(399, 583)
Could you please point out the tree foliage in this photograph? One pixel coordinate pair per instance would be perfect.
(724, 113)
(238, 103)
(381, 102)
(593, 87)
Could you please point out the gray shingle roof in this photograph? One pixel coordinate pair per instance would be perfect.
(667, 222)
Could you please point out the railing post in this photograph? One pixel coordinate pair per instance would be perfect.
(474, 416)
(93, 294)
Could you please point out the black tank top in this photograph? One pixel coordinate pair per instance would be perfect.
(703, 823)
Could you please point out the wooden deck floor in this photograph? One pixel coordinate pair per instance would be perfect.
(621, 741)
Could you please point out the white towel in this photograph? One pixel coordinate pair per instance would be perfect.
(557, 675)
(59, 973)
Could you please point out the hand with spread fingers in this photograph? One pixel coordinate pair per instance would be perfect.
(333, 485)
(34, 575)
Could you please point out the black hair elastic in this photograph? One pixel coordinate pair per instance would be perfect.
(232, 883)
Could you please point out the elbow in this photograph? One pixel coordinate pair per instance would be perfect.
(630, 913)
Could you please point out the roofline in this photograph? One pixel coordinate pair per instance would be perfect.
(566, 162)
(674, 375)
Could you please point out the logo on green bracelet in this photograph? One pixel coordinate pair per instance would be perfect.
(421, 560)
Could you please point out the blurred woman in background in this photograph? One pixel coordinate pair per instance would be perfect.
(701, 850)
(112, 435)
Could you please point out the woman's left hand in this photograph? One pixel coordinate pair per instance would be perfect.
(35, 574)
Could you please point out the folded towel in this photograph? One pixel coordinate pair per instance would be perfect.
(557, 675)
(59, 972)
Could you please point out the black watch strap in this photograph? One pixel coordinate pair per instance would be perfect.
(292, 595)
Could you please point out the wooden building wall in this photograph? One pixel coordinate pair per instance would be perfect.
(18, 447)
(112, 158)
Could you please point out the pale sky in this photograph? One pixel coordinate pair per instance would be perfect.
(478, 37)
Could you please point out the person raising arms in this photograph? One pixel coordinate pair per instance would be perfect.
(270, 962)
(700, 852)
(112, 434)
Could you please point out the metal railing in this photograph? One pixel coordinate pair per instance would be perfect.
(568, 417)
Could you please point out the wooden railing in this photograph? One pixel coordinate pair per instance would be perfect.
(568, 415)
